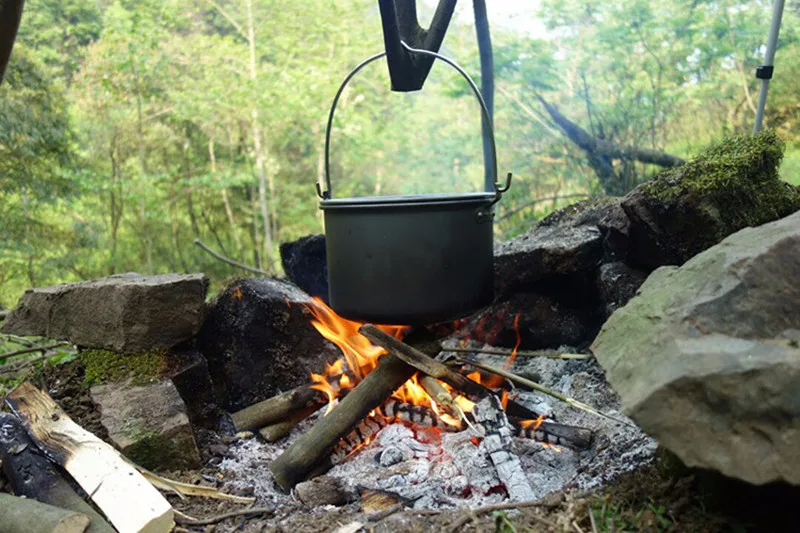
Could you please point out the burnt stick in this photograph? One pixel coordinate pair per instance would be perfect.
(302, 457)
(422, 362)
(32, 475)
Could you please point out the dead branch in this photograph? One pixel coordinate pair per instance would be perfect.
(520, 353)
(231, 262)
(276, 409)
(249, 513)
(32, 349)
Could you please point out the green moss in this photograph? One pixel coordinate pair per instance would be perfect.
(735, 182)
(103, 366)
(157, 451)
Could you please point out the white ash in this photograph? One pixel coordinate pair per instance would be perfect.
(434, 470)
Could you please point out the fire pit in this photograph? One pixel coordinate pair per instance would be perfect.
(427, 443)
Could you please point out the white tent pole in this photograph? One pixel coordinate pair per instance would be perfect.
(764, 72)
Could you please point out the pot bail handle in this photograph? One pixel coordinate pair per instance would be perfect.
(499, 188)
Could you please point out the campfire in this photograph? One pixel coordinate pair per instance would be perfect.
(380, 381)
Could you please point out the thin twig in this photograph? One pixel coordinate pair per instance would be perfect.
(520, 353)
(540, 388)
(32, 349)
(10, 369)
(219, 518)
(231, 262)
(592, 521)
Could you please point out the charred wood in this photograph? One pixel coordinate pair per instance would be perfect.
(277, 409)
(130, 502)
(302, 457)
(32, 475)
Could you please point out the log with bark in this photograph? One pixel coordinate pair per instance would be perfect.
(277, 430)
(314, 447)
(22, 515)
(32, 475)
(276, 409)
(130, 503)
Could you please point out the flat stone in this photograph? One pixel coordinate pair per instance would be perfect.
(125, 313)
(259, 341)
(706, 357)
(546, 252)
(148, 424)
(322, 490)
(305, 262)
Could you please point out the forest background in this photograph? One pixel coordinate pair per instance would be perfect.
(130, 128)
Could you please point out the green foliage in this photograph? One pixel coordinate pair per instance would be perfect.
(128, 129)
(103, 366)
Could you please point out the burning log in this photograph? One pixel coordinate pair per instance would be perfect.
(490, 415)
(131, 504)
(32, 475)
(361, 435)
(303, 456)
(553, 433)
(21, 515)
(278, 408)
(422, 362)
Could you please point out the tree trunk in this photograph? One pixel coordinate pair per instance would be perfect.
(257, 148)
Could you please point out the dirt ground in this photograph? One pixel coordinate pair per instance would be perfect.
(664, 496)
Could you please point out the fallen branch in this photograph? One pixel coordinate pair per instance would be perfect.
(544, 390)
(128, 500)
(32, 349)
(250, 513)
(520, 353)
(276, 409)
(11, 369)
(23, 515)
(32, 475)
(229, 261)
(302, 457)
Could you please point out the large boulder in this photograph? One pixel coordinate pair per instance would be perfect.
(706, 357)
(687, 209)
(258, 341)
(148, 423)
(125, 313)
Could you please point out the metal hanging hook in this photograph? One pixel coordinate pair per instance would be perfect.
(499, 188)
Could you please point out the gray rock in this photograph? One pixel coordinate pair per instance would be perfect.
(148, 424)
(259, 341)
(322, 490)
(616, 284)
(125, 313)
(546, 252)
(705, 357)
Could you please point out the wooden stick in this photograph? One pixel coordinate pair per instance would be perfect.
(32, 475)
(544, 390)
(277, 431)
(187, 489)
(131, 504)
(302, 456)
(422, 362)
(32, 349)
(250, 513)
(23, 515)
(277, 408)
(520, 353)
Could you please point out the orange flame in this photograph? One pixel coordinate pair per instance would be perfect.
(535, 423)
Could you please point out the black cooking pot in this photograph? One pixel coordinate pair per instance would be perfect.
(417, 259)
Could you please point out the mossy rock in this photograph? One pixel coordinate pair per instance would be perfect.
(688, 209)
(105, 366)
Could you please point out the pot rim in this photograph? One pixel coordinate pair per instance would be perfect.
(472, 198)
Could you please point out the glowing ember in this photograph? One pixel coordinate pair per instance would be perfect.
(533, 425)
